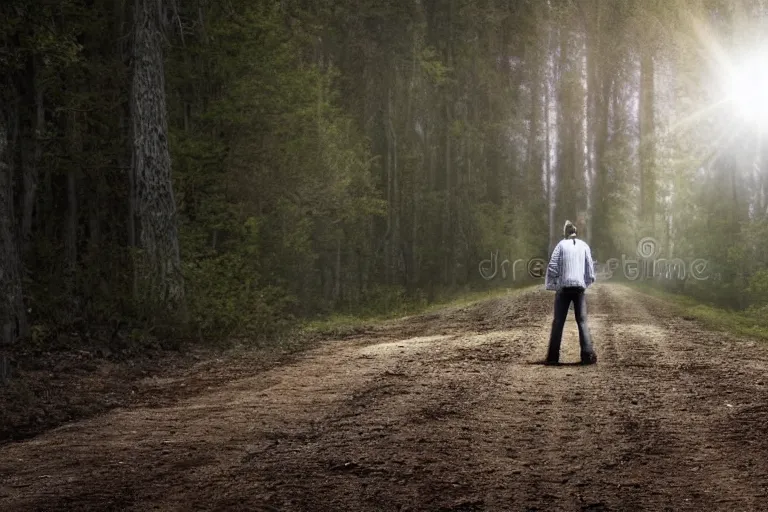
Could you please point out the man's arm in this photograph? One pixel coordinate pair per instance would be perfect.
(589, 268)
(553, 269)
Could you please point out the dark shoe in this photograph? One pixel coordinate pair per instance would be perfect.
(550, 362)
(589, 358)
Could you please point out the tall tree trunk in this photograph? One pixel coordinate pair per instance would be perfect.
(599, 90)
(548, 147)
(564, 171)
(70, 242)
(30, 171)
(599, 206)
(13, 318)
(131, 224)
(70, 226)
(532, 192)
(411, 252)
(447, 225)
(337, 274)
(593, 52)
(647, 149)
(388, 236)
(161, 267)
(396, 192)
(763, 174)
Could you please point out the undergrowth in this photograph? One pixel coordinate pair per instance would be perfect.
(751, 322)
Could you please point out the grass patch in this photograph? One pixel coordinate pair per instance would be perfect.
(752, 323)
(341, 324)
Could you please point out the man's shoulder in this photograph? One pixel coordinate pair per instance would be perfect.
(580, 245)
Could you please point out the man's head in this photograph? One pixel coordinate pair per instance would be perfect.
(569, 230)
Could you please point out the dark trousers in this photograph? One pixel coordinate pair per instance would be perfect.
(563, 300)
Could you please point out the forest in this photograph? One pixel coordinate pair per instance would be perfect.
(230, 168)
(290, 255)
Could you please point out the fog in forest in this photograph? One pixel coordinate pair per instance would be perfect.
(232, 168)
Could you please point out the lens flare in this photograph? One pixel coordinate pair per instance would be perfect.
(748, 89)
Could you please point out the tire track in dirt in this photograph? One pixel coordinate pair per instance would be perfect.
(568, 473)
(673, 451)
(446, 411)
(235, 423)
(426, 452)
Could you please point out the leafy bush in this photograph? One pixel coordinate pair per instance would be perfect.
(226, 298)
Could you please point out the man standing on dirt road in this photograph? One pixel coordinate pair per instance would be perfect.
(570, 272)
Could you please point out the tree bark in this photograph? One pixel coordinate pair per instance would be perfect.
(592, 54)
(565, 187)
(13, 318)
(160, 266)
(647, 150)
(548, 148)
(532, 189)
(70, 242)
(337, 274)
(131, 224)
(396, 192)
(447, 224)
(600, 83)
(71, 221)
(387, 239)
(30, 175)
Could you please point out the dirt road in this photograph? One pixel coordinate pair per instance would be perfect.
(448, 411)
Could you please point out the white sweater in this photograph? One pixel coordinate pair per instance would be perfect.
(570, 265)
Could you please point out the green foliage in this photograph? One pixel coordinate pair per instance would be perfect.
(364, 157)
(752, 322)
(434, 69)
(758, 287)
(226, 298)
(283, 183)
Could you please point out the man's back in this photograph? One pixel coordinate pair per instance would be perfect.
(570, 266)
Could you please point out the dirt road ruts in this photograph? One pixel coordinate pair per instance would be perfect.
(446, 411)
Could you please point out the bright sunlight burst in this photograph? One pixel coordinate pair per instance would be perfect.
(748, 89)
